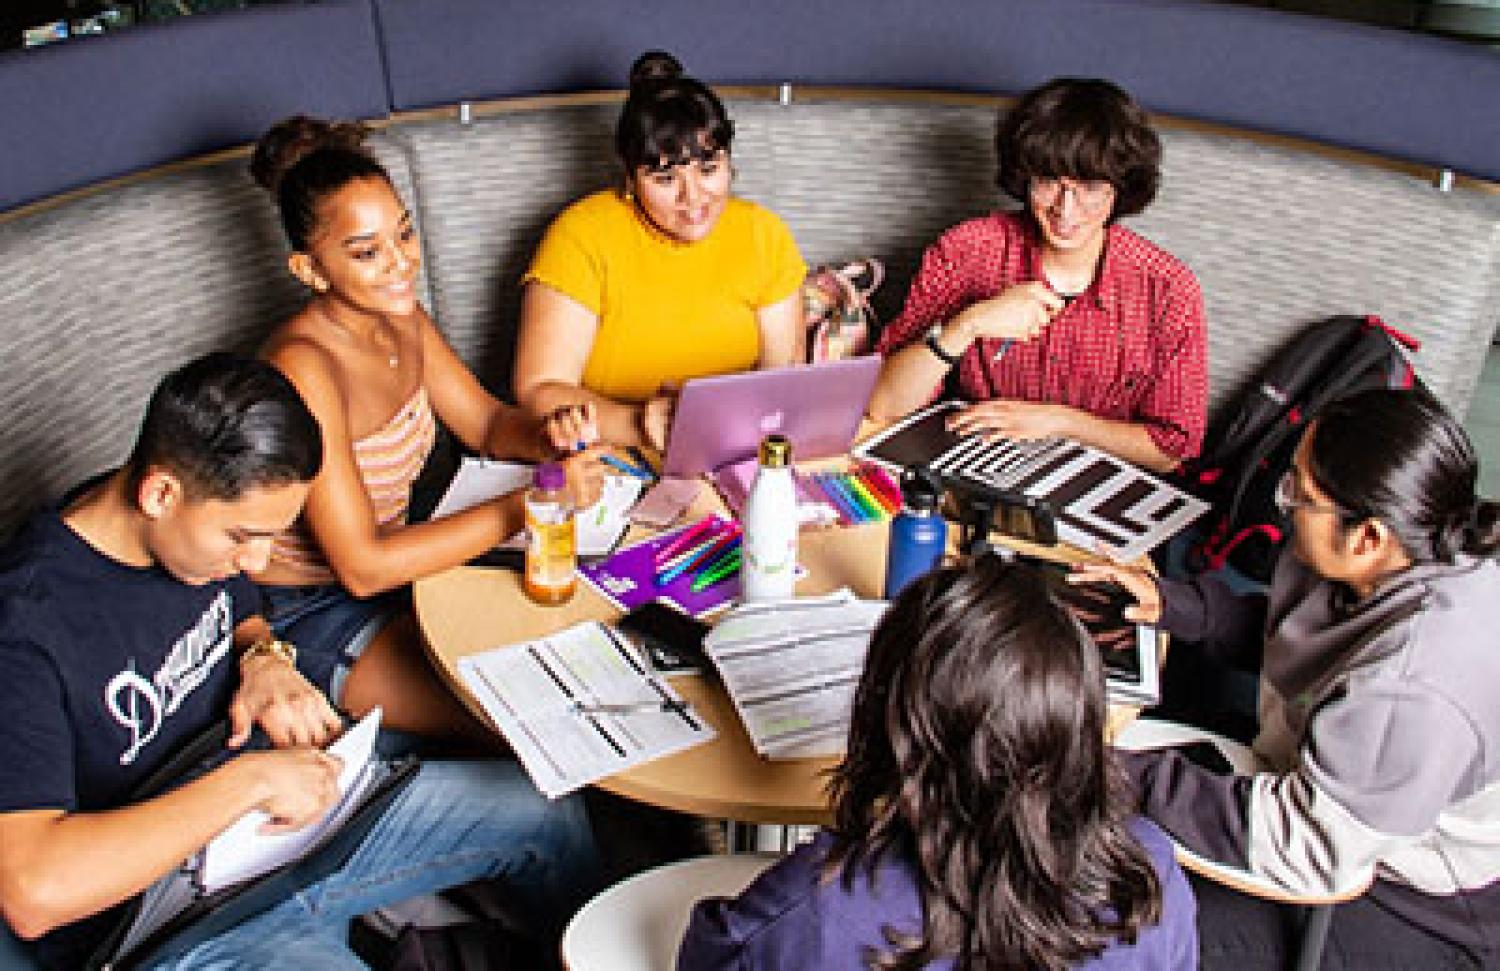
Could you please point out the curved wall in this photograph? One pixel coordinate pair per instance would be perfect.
(93, 109)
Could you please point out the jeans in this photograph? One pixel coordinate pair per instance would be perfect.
(456, 822)
(330, 627)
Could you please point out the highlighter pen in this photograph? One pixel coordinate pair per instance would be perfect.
(876, 510)
(719, 574)
(684, 538)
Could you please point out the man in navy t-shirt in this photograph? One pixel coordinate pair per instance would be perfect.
(127, 629)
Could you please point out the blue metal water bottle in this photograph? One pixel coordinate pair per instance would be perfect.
(918, 535)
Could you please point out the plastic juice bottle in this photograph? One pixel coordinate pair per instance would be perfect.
(551, 547)
(770, 544)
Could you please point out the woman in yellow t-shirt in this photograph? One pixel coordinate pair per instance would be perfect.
(634, 291)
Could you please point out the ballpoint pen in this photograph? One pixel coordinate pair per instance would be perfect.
(624, 708)
(619, 465)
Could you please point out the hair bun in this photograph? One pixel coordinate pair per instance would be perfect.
(292, 139)
(654, 66)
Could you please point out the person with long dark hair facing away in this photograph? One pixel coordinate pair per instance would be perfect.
(1057, 320)
(1379, 702)
(979, 822)
(379, 375)
(636, 289)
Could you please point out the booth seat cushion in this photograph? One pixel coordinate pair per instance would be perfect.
(111, 290)
(1278, 237)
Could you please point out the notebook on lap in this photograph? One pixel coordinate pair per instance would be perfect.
(721, 420)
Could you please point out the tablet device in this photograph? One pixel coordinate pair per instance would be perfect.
(721, 420)
(1131, 652)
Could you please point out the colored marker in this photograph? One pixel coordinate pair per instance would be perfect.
(684, 538)
(846, 509)
(866, 514)
(883, 482)
(719, 574)
(856, 511)
(872, 505)
(703, 542)
(702, 555)
(711, 563)
(625, 467)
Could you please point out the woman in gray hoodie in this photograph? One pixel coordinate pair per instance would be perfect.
(1379, 736)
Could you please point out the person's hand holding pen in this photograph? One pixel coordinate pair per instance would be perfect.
(573, 431)
(1017, 313)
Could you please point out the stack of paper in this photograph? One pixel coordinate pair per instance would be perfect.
(599, 527)
(792, 667)
(580, 705)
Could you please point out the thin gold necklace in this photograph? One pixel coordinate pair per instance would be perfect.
(393, 356)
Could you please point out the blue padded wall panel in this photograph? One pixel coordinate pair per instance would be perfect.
(100, 107)
(1393, 93)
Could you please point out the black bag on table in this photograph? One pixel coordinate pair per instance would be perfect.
(1250, 448)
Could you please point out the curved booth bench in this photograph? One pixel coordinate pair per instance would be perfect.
(114, 284)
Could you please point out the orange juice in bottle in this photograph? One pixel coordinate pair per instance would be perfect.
(551, 573)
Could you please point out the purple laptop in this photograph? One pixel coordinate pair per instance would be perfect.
(721, 420)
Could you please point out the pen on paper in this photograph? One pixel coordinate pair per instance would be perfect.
(623, 708)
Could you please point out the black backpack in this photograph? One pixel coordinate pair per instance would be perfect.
(1250, 448)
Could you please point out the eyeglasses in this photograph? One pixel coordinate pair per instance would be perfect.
(1289, 497)
(1089, 195)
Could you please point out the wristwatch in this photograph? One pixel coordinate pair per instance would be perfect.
(937, 348)
(274, 646)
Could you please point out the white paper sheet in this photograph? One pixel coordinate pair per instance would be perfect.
(242, 851)
(599, 527)
(792, 667)
(538, 693)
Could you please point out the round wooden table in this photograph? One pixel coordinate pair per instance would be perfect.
(470, 609)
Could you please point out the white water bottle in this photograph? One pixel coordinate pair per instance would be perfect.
(769, 571)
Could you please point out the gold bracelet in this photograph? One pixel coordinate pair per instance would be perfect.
(273, 646)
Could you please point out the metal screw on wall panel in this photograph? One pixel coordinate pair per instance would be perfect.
(1444, 181)
(784, 93)
(465, 113)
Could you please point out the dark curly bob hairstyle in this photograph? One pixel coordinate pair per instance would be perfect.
(1084, 129)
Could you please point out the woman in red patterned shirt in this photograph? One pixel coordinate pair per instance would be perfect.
(1060, 321)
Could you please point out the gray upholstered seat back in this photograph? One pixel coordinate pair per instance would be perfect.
(1277, 237)
(116, 287)
(113, 289)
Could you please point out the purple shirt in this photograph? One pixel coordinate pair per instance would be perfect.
(791, 918)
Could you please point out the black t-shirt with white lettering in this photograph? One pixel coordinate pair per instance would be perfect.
(106, 670)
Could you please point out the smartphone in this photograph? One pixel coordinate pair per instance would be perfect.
(672, 638)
